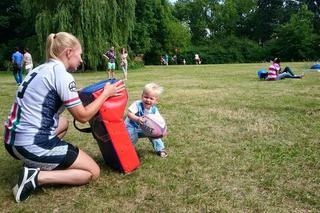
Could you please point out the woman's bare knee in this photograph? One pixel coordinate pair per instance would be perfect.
(85, 162)
(95, 173)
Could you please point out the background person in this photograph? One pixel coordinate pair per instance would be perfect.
(166, 59)
(124, 62)
(275, 73)
(27, 60)
(111, 57)
(17, 61)
(175, 59)
(34, 129)
(162, 61)
(197, 58)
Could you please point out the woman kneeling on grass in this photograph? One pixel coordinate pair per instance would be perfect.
(34, 130)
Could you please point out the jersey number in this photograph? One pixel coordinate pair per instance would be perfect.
(25, 84)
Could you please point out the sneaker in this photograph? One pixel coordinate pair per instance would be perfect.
(27, 183)
(162, 153)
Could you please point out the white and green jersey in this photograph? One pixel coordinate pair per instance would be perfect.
(41, 97)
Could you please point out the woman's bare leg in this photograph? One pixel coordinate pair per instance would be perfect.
(81, 172)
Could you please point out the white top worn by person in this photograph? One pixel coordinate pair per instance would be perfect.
(27, 60)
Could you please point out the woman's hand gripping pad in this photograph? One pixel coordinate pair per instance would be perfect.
(113, 108)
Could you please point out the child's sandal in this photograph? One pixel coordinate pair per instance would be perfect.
(162, 153)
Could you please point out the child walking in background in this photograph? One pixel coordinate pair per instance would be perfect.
(139, 108)
(124, 62)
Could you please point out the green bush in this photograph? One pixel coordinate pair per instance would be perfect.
(132, 65)
(227, 50)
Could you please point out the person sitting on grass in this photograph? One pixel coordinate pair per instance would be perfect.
(139, 108)
(275, 72)
(34, 129)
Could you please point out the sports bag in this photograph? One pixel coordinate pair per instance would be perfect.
(262, 74)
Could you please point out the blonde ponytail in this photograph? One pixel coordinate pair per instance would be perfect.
(57, 43)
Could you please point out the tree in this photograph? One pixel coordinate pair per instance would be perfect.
(10, 17)
(177, 36)
(225, 18)
(157, 31)
(145, 24)
(196, 13)
(15, 31)
(295, 40)
(267, 16)
(97, 23)
(314, 6)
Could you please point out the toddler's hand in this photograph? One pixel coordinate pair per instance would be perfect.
(141, 120)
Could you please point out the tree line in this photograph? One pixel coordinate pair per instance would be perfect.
(220, 31)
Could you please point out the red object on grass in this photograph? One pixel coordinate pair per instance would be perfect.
(108, 128)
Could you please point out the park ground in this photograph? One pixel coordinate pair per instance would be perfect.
(235, 144)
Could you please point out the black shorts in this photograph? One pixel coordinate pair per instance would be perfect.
(54, 154)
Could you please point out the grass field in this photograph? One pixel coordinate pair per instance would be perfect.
(235, 144)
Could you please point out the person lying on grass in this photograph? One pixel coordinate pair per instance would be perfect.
(275, 72)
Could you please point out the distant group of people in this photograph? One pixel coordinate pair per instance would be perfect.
(110, 55)
(164, 59)
(18, 61)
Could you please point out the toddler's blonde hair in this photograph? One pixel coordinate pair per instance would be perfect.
(154, 88)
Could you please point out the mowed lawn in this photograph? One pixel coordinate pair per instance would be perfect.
(235, 144)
